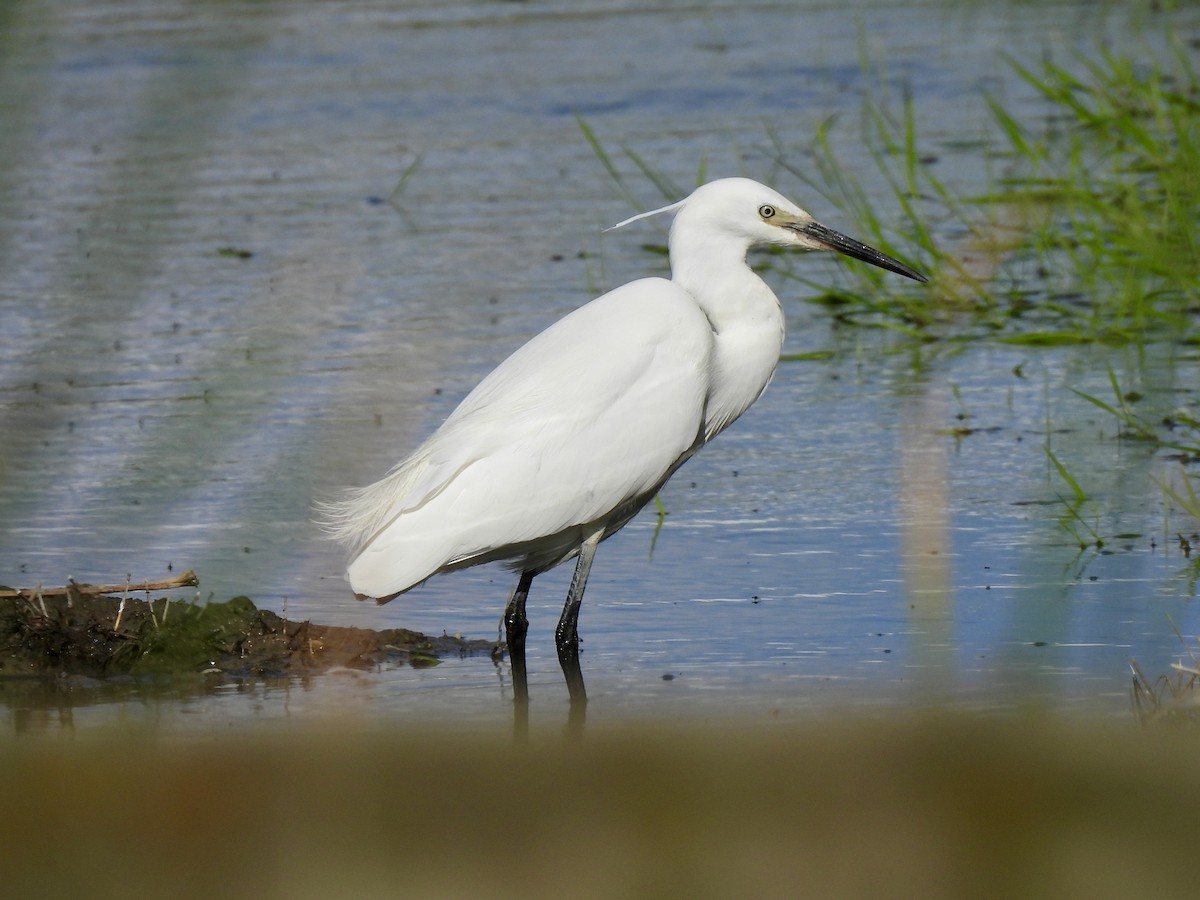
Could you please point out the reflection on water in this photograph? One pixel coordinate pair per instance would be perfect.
(923, 494)
(214, 309)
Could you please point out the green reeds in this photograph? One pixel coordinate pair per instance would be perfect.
(1090, 236)
(1117, 183)
(1087, 236)
(666, 186)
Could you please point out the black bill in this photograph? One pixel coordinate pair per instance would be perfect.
(834, 240)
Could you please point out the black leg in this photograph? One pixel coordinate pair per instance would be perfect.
(515, 627)
(566, 636)
(515, 623)
(568, 659)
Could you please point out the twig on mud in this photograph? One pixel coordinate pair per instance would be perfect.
(187, 579)
(121, 608)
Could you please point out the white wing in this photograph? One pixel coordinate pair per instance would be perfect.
(589, 415)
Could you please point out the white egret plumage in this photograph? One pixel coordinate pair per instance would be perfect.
(567, 439)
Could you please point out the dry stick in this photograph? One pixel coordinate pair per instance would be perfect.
(121, 608)
(187, 579)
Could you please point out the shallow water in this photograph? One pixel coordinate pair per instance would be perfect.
(165, 405)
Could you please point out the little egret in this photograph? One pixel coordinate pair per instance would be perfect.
(567, 439)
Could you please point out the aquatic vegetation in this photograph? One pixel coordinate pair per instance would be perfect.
(1088, 235)
(1072, 520)
(1134, 427)
(1168, 699)
(1189, 503)
(1120, 186)
(671, 191)
(1178, 431)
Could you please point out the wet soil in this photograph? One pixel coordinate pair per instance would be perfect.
(94, 636)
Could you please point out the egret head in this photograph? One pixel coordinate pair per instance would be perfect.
(751, 214)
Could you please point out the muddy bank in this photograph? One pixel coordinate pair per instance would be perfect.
(74, 634)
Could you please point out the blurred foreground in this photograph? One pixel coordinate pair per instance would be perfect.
(923, 806)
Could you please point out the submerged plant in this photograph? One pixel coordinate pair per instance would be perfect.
(1182, 435)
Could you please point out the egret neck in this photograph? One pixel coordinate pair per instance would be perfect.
(745, 315)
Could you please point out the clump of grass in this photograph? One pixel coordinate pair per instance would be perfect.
(1089, 236)
(1172, 699)
(1115, 185)
(1169, 698)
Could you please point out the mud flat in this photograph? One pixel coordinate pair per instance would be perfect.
(74, 632)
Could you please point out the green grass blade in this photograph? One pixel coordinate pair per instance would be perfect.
(1066, 476)
(607, 162)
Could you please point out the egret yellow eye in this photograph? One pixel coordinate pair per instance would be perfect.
(766, 211)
